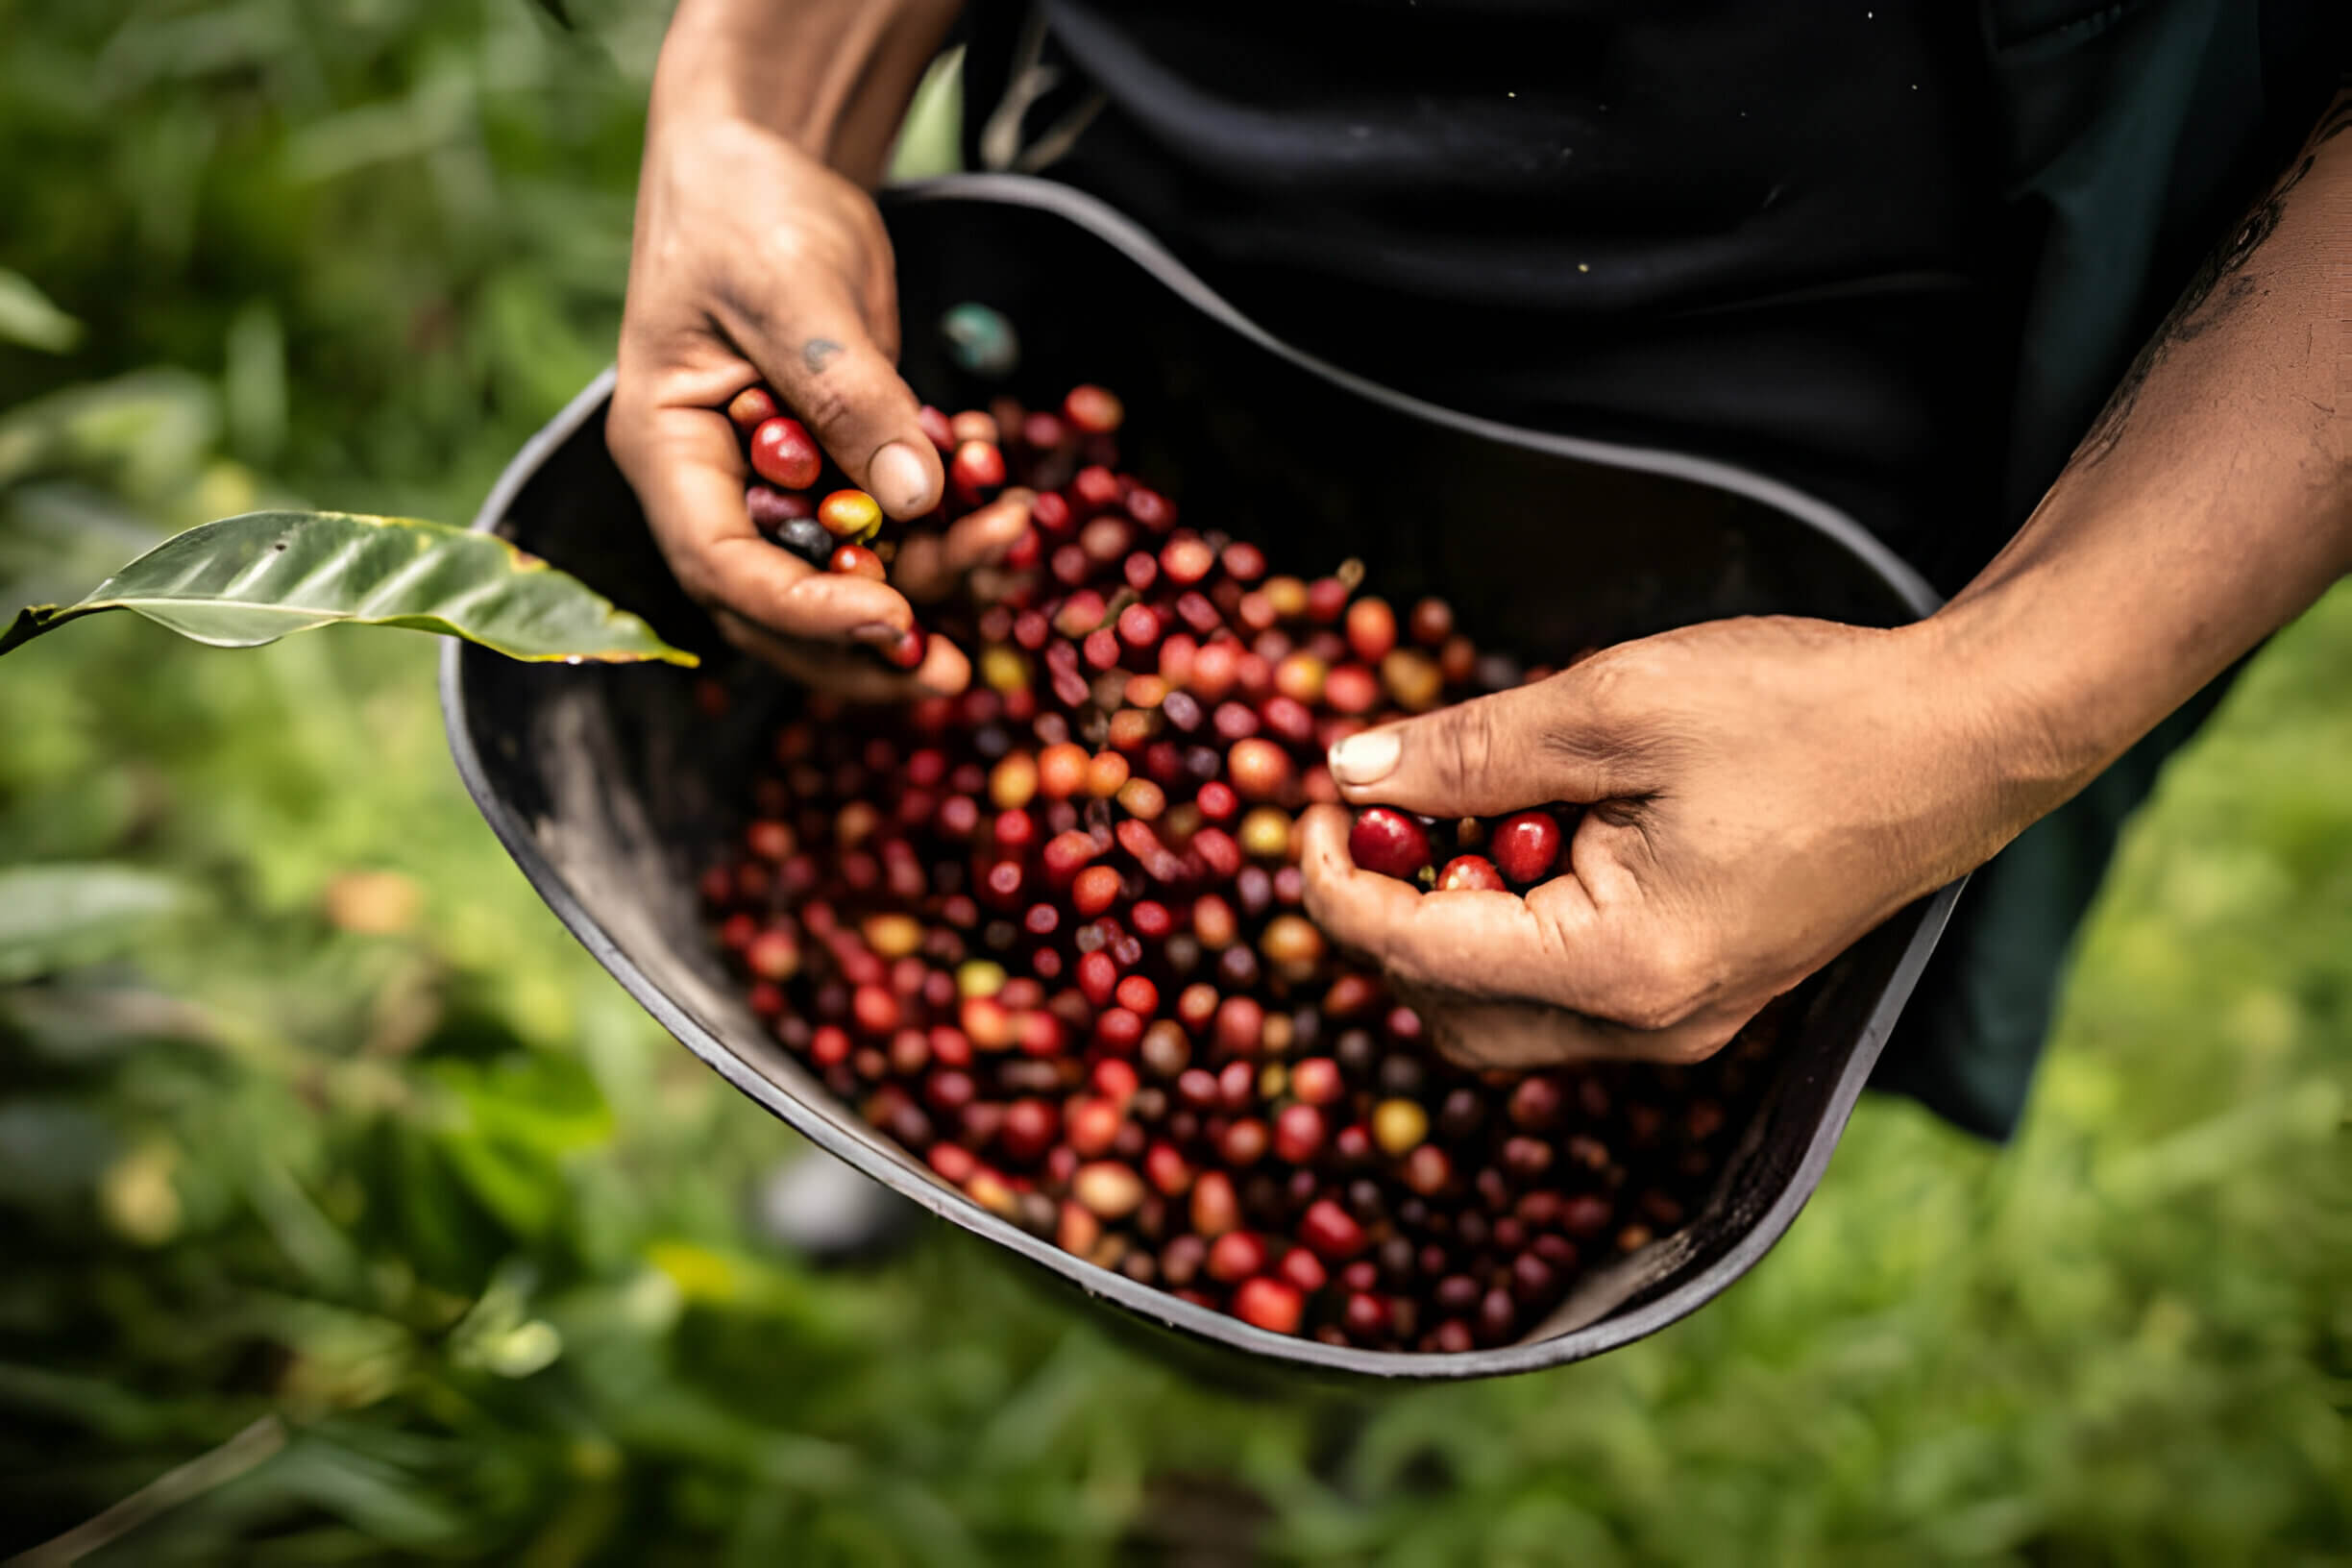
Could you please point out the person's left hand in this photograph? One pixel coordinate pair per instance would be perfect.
(1762, 792)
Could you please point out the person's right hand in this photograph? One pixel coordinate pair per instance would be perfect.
(753, 263)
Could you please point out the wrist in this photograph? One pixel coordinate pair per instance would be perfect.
(1980, 741)
(2038, 691)
(832, 77)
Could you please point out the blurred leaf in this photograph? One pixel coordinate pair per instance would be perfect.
(55, 916)
(52, 1153)
(71, 1023)
(248, 581)
(150, 429)
(929, 138)
(179, 1485)
(254, 383)
(29, 320)
(57, 534)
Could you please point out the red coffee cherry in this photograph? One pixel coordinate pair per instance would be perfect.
(1387, 840)
(1269, 1303)
(1470, 874)
(783, 453)
(751, 407)
(1527, 845)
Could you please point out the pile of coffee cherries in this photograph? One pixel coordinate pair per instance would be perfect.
(1048, 936)
(845, 529)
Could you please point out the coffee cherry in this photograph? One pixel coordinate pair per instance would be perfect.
(1398, 1126)
(1215, 1207)
(1092, 410)
(807, 538)
(857, 561)
(751, 407)
(1469, 873)
(1265, 833)
(1496, 1316)
(1298, 1134)
(1107, 1190)
(1303, 1269)
(1167, 1170)
(1317, 1081)
(1428, 1170)
(783, 453)
(850, 514)
(1243, 562)
(1535, 1103)
(771, 510)
(1244, 1143)
(1388, 842)
(1526, 1158)
(977, 468)
(936, 427)
(1527, 845)
(1270, 1303)
(1412, 679)
(1371, 629)
(1259, 769)
(1331, 1230)
(1234, 1257)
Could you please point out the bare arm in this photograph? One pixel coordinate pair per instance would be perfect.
(1766, 790)
(2210, 503)
(832, 77)
(759, 257)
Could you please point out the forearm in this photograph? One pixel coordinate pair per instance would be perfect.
(2211, 503)
(832, 76)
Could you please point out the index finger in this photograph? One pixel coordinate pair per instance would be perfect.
(1488, 945)
(689, 475)
(1504, 981)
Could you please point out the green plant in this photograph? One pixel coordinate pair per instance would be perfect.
(314, 1117)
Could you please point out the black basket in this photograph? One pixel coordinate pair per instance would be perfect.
(609, 789)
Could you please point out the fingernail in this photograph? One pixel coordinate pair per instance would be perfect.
(1366, 758)
(881, 633)
(898, 479)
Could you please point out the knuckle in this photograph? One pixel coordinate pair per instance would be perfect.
(1466, 749)
(1669, 987)
(1619, 685)
(1690, 1047)
(827, 404)
(1653, 1001)
(1457, 1047)
(696, 574)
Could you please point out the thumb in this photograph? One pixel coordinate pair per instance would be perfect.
(1528, 746)
(829, 372)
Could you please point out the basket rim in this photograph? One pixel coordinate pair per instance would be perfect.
(867, 1155)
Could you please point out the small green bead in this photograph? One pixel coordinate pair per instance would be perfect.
(981, 340)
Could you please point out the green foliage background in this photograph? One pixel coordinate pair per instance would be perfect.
(310, 1115)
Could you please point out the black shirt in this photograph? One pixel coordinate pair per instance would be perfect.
(1761, 231)
(1895, 252)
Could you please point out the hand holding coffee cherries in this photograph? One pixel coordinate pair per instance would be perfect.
(757, 267)
(1758, 793)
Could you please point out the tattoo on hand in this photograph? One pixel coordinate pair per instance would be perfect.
(818, 353)
(2220, 286)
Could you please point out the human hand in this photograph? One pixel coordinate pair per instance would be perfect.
(1761, 793)
(753, 263)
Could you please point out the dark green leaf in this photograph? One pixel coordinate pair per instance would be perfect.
(28, 318)
(53, 917)
(248, 581)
